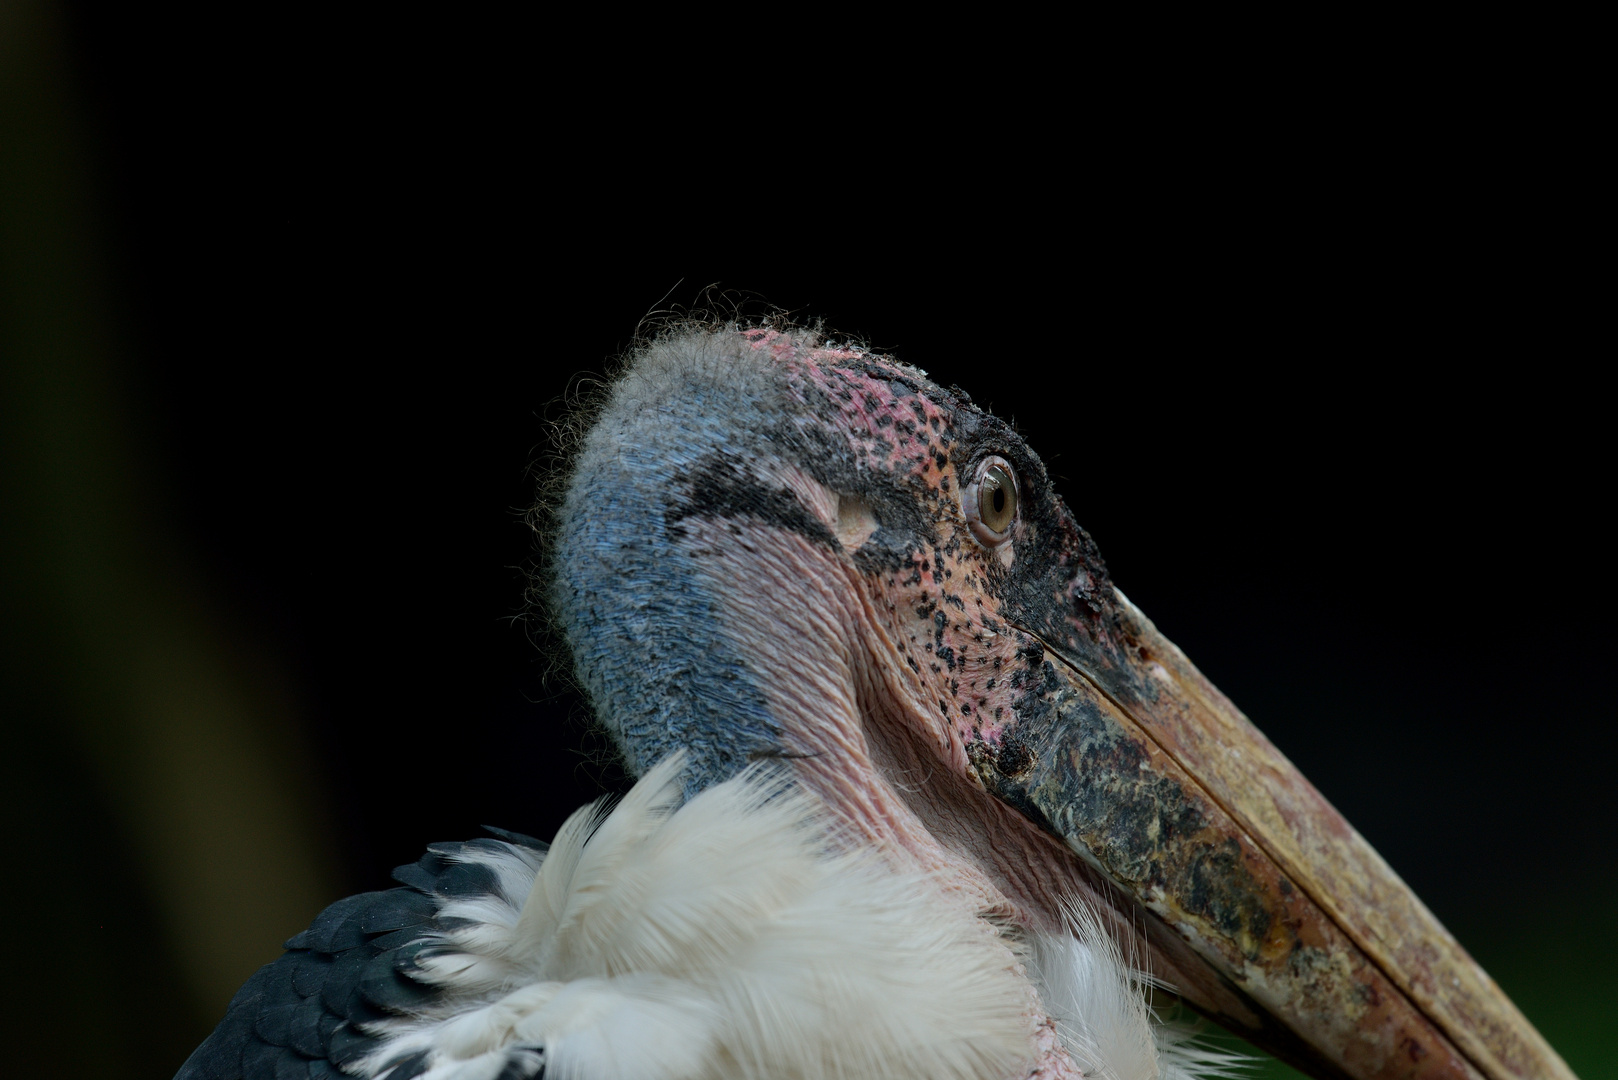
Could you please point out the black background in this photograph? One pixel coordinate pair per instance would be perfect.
(1318, 375)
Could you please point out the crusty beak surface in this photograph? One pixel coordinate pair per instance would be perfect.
(1273, 916)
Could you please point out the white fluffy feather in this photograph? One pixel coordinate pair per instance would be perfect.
(723, 939)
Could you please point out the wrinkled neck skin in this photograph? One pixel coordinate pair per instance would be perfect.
(853, 719)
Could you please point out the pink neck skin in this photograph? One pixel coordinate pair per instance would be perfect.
(895, 779)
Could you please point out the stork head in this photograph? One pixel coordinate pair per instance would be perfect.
(774, 547)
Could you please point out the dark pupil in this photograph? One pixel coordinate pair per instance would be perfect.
(999, 498)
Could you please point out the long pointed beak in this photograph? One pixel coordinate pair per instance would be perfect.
(1277, 919)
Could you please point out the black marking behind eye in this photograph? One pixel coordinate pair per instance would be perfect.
(718, 489)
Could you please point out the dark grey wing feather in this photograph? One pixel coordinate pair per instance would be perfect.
(299, 1017)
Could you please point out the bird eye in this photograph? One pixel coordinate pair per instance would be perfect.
(990, 502)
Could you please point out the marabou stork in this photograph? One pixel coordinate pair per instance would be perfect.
(921, 793)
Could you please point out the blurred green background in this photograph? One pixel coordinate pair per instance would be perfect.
(286, 309)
